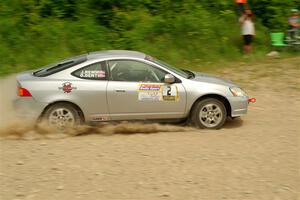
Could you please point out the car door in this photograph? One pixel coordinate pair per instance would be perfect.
(91, 91)
(136, 90)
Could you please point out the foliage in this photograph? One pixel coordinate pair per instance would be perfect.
(38, 32)
(274, 13)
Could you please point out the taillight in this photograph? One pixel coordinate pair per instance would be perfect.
(23, 92)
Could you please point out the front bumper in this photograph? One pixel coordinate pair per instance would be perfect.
(28, 108)
(239, 106)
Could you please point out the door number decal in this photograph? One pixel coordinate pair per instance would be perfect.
(157, 92)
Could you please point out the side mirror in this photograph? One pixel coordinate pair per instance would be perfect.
(169, 78)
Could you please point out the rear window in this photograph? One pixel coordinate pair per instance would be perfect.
(96, 71)
(60, 66)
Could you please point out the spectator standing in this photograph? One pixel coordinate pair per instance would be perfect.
(241, 5)
(248, 30)
(294, 23)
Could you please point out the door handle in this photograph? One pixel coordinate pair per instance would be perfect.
(120, 91)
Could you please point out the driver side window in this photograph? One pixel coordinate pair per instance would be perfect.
(134, 71)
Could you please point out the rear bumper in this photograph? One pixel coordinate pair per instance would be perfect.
(28, 108)
(239, 106)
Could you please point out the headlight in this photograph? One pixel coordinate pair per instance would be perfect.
(237, 92)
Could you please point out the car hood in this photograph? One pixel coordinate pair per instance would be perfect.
(207, 78)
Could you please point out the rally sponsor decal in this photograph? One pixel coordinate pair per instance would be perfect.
(92, 74)
(150, 87)
(67, 87)
(149, 92)
(157, 92)
(97, 117)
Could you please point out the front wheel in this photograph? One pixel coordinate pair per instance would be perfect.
(209, 113)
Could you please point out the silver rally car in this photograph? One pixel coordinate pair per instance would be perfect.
(125, 85)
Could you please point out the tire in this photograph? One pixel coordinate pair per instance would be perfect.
(62, 116)
(209, 113)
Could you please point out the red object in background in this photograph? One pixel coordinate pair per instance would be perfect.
(252, 100)
(241, 1)
(23, 92)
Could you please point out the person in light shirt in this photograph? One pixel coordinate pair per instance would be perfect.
(294, 24)
(247, 30)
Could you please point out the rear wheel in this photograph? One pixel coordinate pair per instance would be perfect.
(62, 116)
(209, 113)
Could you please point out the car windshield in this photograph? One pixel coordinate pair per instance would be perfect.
(183, 73)
(62, 65)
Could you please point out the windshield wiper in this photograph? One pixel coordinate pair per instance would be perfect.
(190, 74)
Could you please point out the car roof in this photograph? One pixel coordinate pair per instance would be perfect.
(70, 62)
(115, 53)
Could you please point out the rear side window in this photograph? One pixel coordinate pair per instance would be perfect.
(57, 67)
(96, 71)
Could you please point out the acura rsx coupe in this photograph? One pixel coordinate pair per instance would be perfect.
(120, 85)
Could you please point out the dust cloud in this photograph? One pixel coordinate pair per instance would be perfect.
(32, 131)
(12, 127)
(8, 91)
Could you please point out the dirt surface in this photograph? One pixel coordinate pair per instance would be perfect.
(255, 157)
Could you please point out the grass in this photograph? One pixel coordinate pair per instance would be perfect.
(196, 65)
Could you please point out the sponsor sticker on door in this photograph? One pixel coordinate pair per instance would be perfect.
(149, 92)
(157, 92)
